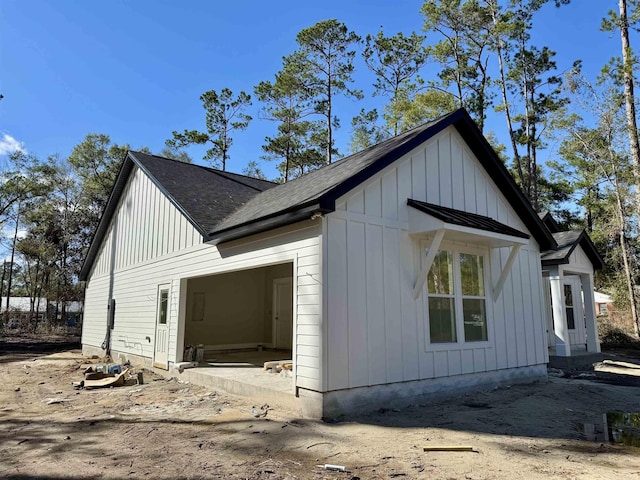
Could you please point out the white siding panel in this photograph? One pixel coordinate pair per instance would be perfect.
(454, 361)
(392, 305)
(441, 363)
(338, 328)
(461, 187)
(404, 189)
(355, 203)
(357, 305)
(375, 306)
(392, 339)
(390, 202)
(373, 198)
(479, 206)
(468, 360)
(445, 165)
(419, 175)
(479, 359)
(156, 245)
(433, 176)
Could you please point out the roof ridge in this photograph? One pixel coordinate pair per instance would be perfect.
(208, 169)
(223, 173)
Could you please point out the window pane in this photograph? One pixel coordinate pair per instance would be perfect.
(164, 302)
(568, 296)
(440, 278)
(442, 321)
(472, 273)
(475, 320)
(571, 321)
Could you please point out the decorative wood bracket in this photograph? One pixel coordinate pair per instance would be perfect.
(433, 250)
(505, 271)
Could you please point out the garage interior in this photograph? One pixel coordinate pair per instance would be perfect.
(243, 319)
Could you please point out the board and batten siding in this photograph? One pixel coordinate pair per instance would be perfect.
(579, 261)
(155, 244)
(376, 331)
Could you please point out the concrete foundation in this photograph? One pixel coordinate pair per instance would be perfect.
(354, 400)
(262, 387)
(119, 357)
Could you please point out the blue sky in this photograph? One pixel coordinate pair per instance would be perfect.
(135, 69)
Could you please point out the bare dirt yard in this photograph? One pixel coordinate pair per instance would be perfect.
(165, 429)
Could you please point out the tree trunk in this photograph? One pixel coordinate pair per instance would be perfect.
(628, 273)
(329, 130)
(13, 252)
(503, 90)
(634, 145)
(629, 98)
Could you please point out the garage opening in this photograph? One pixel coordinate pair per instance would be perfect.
(242, 318)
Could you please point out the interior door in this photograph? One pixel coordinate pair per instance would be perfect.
(161, 351)
(283, 313)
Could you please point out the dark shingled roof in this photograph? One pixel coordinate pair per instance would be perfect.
(318, 191)
(204, 195)
(308, 189)
(549, 221)
(224, 206)
(465, 219)
(567, 242)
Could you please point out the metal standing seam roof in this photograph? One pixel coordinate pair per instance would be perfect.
(465, 219)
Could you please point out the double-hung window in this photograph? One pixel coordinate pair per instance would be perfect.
(457, 297)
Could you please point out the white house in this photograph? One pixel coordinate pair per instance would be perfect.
(409, 269)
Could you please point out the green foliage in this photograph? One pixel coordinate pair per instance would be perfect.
(463, 53)
(224, 114)
(97, 161)
(396, 62)
(324, 60)
(175, 154)
(366, 131)
(299, 143)
(23, 178)
(423, 107)
(253, 170)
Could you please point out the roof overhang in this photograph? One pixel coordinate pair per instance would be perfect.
(268, 223)
(458, 225)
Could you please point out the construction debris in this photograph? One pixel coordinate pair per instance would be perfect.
(278, 366)
(334, 468)
(449, 448)
(107, 375)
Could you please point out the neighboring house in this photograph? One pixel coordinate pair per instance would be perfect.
(409, 269)
(603, 302)
(21, 308)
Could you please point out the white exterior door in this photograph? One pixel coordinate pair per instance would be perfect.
(551, 336)
(283, 313)
(161, 351)
(575, 315)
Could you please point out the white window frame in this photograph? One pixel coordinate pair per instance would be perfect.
(456, 249)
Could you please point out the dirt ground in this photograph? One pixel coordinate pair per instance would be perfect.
(165, 429)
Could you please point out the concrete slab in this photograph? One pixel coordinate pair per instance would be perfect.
(575, 360)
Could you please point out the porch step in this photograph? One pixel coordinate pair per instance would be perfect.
(574, 361)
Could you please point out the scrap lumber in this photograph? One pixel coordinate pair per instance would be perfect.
(114, 381)
(449, 448)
